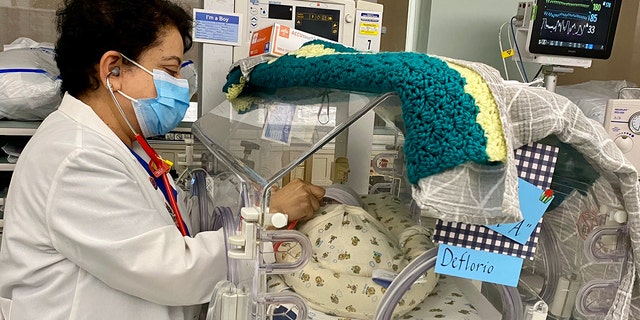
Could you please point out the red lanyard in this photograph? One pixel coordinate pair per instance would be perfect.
(158, 168)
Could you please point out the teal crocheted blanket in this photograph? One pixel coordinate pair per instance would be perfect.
(440, 117)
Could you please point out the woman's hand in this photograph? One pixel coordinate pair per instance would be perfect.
(298, 199)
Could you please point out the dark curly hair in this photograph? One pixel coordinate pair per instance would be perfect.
(89, 28)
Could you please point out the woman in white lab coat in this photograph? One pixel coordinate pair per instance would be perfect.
(88, 233)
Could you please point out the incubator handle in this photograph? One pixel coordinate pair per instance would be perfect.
(607, 244)
(378, 160)
(595, 297)
(622, 90)
(285, 236)
(284, 298)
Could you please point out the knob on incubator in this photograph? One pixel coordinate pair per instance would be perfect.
(624, 142)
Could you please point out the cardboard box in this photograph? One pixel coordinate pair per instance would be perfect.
(277, 40)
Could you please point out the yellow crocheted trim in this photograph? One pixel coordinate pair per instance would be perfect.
(235, 89)
(309, 51)
(488, 116)
(312, 50)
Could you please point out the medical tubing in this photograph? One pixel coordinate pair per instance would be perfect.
(113, 96)
(229, 228)
(200, 190)
(513, 34)
(504, 63)
(414, 270)
(550, 254)
(174, 206)
(511, 303)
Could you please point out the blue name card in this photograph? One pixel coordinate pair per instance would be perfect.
(479, 265)
(533, 203)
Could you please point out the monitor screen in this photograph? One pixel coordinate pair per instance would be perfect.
(576, 28)
(281, 12)
(320, 22)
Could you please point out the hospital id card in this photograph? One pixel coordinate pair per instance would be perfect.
(277, 127)
(217, 27)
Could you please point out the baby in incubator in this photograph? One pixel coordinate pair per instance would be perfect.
(358, 244)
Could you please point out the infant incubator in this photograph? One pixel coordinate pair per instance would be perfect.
(258, 142)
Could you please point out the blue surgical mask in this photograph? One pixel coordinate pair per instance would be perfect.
(157, 116)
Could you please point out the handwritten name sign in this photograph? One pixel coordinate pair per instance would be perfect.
(478, 265)
(533, 203)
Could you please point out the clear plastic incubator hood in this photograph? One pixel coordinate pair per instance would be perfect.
(256, 142)
(259, 142)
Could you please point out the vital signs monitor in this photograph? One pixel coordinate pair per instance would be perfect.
(575, 28)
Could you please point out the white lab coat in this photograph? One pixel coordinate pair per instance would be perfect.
(87, 236)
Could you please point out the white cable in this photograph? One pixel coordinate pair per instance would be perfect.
(535, 82)
(182, 174)
(511, 37)
(504, 63)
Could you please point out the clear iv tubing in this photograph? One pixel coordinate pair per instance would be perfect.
(511, 303)
(229, 228)
(414, 270)
(549, 247)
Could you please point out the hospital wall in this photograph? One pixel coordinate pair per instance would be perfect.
(468, 30)
(24, 18)
(624, 63)
(35, 19)
(462, 29)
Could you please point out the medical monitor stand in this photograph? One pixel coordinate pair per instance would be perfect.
(551, 75)
(552, 65)
(574, 30)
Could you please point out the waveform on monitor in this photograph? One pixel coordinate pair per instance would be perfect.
(569, 4)
(568, 26)
(566, 15)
